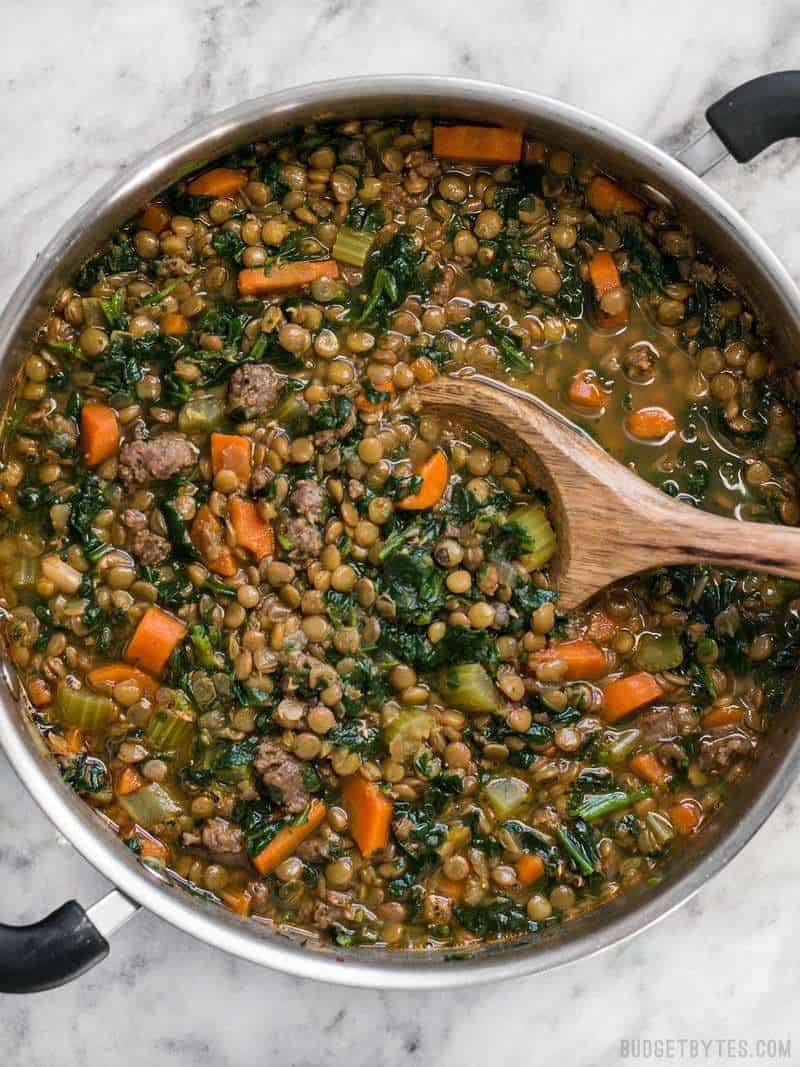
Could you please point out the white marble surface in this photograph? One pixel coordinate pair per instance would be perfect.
(86, 88)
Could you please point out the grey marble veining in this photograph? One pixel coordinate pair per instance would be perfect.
(87, 87)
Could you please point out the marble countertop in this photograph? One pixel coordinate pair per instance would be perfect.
(87, 88)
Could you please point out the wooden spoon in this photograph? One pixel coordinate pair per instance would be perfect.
(610, 522)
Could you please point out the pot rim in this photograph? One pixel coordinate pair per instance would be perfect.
(369, 96)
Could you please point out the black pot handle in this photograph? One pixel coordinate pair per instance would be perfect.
(60, 947)
(50, 952)
(757, 114)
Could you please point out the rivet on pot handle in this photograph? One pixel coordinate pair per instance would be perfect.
(747, 120)
(62, 946)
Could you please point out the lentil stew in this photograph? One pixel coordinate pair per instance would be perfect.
(294, 640)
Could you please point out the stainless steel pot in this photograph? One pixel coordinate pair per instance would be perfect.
(71, 940)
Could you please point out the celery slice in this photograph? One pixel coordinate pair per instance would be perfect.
(541, 534)
(78, 707)
(618, 744)
(412, 724)
(150, 806)
(658, 652)
(170, 729)
(353, 246)
(468, 687)
(201, 414)
(25, 573)
(506, 796)
(291, 412)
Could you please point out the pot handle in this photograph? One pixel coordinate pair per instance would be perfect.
(757, 114)
(60, 947)
(747, 120)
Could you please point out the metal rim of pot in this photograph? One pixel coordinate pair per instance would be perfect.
(71, 939)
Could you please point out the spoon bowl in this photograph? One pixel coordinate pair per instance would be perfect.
(610, 522)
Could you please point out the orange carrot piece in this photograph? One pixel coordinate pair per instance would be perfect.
(603, 273)
(285, 842)
(726, 715)
(585, 392)
(128, 781)
(74, 738)
(451, 889)
(150, 846)
(255, 281)
(601, 628)
(99, 433)
(370, 812)
(239, 901)
(154, 217)
(625, 695)
(154, 640)
(477, 144)
(222, 181)
(584, 660)
(435, 473)
(234, 453)
(252, 532)
(647, 767)
(605, 277)
(685, 816)
(207, 537)
(530, 868)
(650, 424)
(114, 673)
(363, 404)
(39, 692)
(173, 324)
(605, 197)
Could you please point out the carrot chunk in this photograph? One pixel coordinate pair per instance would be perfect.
(585, 392)
(605, 197)
(285, 842)
(725, 715)
(477, 144)
(252, 532)
(238, 900)
(625, 695)
(584, 660)
(650, 424)
(450, 888)
(39, 692)
(173, 324)
(435, 474)
(150, 846)
(530, 868)
(605, 277)
(685, 816)
(154, 640)
(114, 673)
(99, 433)
(222, 181)
(206, 536)
(363, 404)
(128, 781)
(74, 739)
(154, 217)
(370, 812)
(648, 768)
(234, 453)
(255, 281)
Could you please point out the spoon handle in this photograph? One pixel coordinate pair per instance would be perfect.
(610, 522)
(688, 536)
